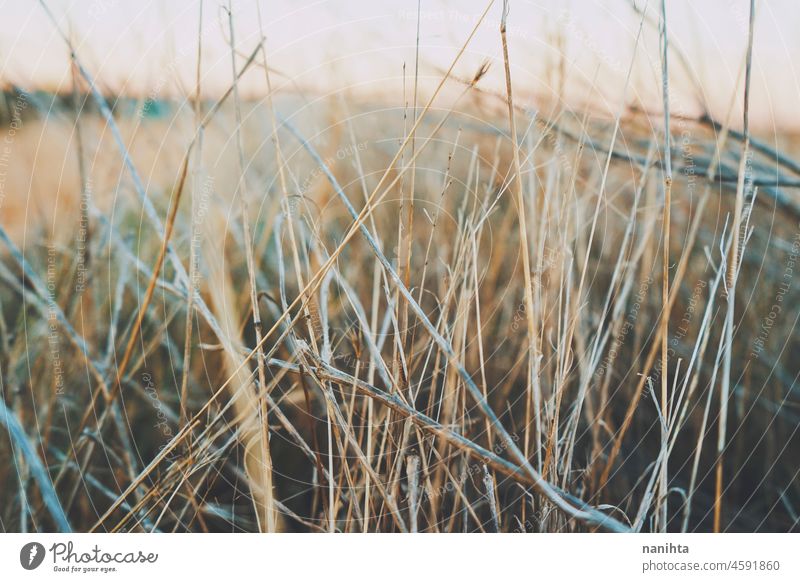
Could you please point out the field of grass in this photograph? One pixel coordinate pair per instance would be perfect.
(327, 314)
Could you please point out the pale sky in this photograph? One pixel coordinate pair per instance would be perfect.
(148, 48)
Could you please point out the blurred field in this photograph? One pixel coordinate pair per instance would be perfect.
(100, 393)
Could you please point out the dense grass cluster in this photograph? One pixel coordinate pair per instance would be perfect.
(356, 413)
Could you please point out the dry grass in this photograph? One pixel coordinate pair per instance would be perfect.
(332, 316)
